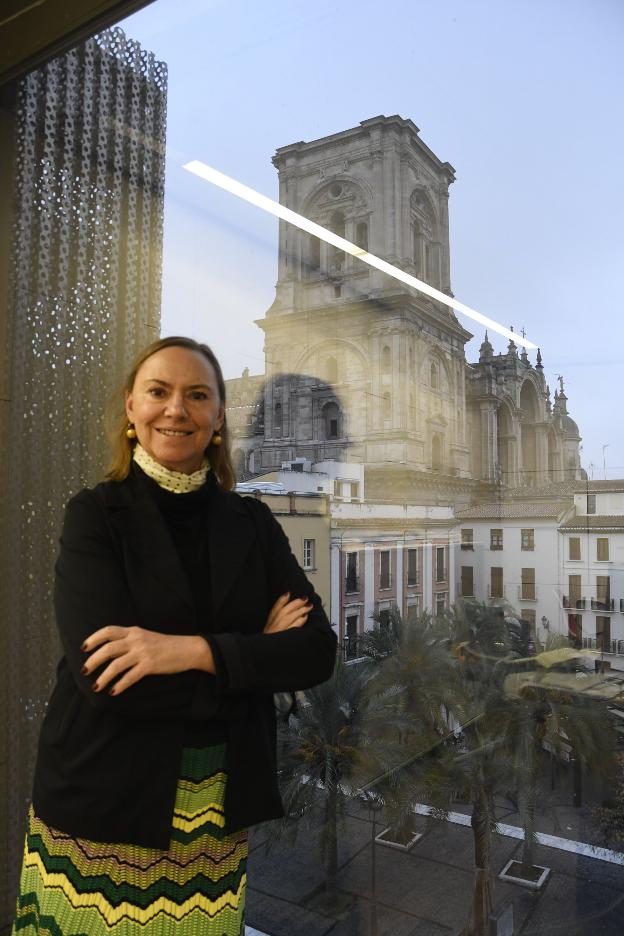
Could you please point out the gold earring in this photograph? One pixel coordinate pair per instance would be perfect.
(217, 438)
(131, 431)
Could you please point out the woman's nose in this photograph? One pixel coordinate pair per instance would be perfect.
(176, 406)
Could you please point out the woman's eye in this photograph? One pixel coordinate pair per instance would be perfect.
(156, 391)
(199, 395)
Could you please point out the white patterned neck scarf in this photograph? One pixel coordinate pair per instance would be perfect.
(175, 481)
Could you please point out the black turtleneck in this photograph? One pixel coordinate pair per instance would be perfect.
(187, 517)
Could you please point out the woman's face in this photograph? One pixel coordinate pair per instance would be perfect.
(175, 407)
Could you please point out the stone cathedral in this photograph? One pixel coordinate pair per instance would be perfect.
(362, 368)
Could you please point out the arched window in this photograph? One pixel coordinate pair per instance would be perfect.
(386, 359)
(417, 250)
(336, 257)
(434, 376)
(436, 453)
(314, 255)
(277, 420)
(387, 406)
(331, 421)
(361, 235)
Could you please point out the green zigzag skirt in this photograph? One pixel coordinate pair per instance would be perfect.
(75, 887)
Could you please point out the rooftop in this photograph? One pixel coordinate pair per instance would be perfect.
(506, 510)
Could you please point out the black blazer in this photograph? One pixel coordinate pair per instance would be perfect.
(107, 766)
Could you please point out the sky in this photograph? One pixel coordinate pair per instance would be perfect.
(522, 97)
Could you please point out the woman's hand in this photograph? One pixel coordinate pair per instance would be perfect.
(135, 652)
(286, 614)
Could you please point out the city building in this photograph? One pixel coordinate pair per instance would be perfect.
(556, 556)
(362, 368)
(364, 371)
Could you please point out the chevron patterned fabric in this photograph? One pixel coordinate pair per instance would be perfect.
(75, 887)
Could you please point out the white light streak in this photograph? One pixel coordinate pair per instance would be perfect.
(250, 195)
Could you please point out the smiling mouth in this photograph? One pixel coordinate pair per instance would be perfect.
(175, 433)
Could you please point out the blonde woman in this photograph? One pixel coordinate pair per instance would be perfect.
(181, 609)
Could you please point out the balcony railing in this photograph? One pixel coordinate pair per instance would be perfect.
(604, 646)
(608, 605)
(574, 603)
(495, 593)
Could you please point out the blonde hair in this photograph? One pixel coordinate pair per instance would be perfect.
(116, 420)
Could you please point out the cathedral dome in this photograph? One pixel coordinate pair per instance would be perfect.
(570, 428)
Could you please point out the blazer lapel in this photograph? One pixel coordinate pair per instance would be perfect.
(232, 534)
(136, 517)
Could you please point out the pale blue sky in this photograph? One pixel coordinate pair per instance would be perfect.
(524, 98)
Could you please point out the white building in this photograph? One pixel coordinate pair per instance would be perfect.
(556, 555)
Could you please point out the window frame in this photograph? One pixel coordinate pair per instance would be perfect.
(527, 539)
(496, 539)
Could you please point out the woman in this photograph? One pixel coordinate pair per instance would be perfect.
(181, 609)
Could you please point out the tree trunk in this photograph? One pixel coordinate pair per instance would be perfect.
(479, 922)
(331, 839)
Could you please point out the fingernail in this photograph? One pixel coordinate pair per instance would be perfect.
(84, 670)
(111, 692)
(95, 687)
(84, 646)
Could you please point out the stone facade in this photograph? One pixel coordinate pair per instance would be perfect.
(362, 368)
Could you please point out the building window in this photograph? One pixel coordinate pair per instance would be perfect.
(351, 636)
(352, 583)
(354, 489)
(574, 548)
(467, 541)
(496, 539)
(575, 629)
(527, 589)
(386, 360)
(496, 582)
(603, 592)
(527, 540)
(412, 567)
(331, 420)
(441, 601)
(413, 608)
(440, 564)
(603, 634)
(384, 568)
(309, 548)
(574, 591)
(314, 255)
(384, 619)
(591, 503)
(277, 422)
(602, 549)
(361, 235)
(467, 581)
(434, 379)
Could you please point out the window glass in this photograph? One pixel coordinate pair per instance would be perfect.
(213, 169)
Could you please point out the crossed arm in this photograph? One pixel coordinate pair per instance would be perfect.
(135, 652)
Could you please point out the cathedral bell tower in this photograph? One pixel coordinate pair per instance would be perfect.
(359, 366)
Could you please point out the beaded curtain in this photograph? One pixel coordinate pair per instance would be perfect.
(85, 298)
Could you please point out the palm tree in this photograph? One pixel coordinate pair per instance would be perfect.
(326, 752)
(556, 709)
